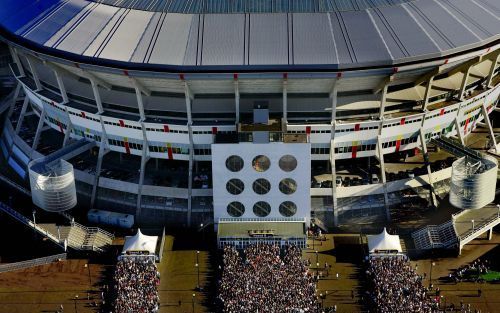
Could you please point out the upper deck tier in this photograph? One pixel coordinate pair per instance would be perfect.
(274, 35)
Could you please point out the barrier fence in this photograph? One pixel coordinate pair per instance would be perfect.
(31, 263)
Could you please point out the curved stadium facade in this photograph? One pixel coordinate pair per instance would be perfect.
(153, 90)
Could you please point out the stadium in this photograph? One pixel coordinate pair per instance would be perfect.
(140, 97)
(264, 125)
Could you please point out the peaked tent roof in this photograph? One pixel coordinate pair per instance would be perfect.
(384, 241)
(140, 242)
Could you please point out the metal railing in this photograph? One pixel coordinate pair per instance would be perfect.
(456, 148)
(489, 223)
(31, 263)
(435, 236)
(21, 218)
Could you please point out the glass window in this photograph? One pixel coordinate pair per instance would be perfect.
(261, 209)
(235, 186)
(288, 186)
(288, 209)
(235, 209)
(288, 163)
(261, 163)
(234, 163)
(261, 186)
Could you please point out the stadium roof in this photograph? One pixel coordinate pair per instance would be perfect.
(327, 34)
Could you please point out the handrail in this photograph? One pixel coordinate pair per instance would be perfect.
(21, 218)
(15, 185)
(481, 227)
(85, 228)
(31, 263)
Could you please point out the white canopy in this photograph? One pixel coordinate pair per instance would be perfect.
(139, 243)
(384, 242)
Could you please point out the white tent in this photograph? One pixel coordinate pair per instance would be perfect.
(140, 243)
(384, 242)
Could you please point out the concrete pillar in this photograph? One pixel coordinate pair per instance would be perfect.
(334, 98)
(285, 100)
(22, 114)
(427, 95)
(490, 127)
(237, 100)
(383, 97)
(67, 134)
(459, 131)
(464, 84)
(189, 97)
(97, 96)
(16, 59)
(144, 161)
(190, 187)
(382, 175)
(34, 72)
(492, 70)
(140, 103)
(490, 234)
(432, 195)
(334, 179)
(17, 91)
(38, 133)
(102, 151)
(62, 88)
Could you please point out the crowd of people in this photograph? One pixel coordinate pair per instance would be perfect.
(396, 287)
(263, 281)
(470, 272)
(136, 281)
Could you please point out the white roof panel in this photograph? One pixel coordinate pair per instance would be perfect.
(313, 39)
(223, 39)
(268, 39)
(121, 45)
(170, 45)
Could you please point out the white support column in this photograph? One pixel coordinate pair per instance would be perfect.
(16, 59)
(464, 83)
(285, 100)
(459, 131)
(62, 88)
(189, 98)
(493, 68)
(144, 161)
(490, 127)
(237, 99)
(34, 72)
(380, 155)
(22, 114)
(334, 179)
(38, 133)
(334, 99)
(67, 134)
(102, 151)
(427, 95)
(97, 96)
(140, 103)
(17, 91)
(383, 97)
(69, 128)
(428, 167)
